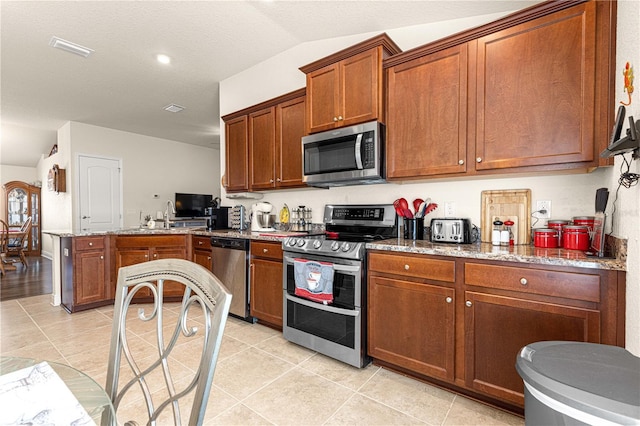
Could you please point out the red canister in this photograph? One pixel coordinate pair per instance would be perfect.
(557, 224)
(575, 237)
(545, 237)
(587, 221)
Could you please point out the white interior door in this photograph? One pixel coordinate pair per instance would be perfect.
(100, 198)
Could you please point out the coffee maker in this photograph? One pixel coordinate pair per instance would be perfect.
(217, 218)
(261, 218)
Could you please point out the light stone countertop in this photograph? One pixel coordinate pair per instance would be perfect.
(484, 251)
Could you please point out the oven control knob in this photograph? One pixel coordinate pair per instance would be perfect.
(301, 242)
(291, 242)
(317, 244)
(346, 246)
(335, 246)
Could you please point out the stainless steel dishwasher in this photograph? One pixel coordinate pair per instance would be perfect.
(231, 266)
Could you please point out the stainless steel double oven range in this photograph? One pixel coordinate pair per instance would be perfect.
(336, 328)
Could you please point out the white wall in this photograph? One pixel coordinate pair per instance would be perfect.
(627, 221)
(570, 194)
(150, 166)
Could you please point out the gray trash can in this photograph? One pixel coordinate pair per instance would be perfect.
(575, 383)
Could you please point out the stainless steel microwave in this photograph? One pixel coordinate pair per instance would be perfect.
(346, 156)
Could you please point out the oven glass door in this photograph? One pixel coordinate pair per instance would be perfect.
(335, 325)
(347, 280)
(337, 155)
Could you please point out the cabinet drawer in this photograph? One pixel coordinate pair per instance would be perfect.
(569, 285)
(151, 241)
(433, 269)
(266, 250)
(201, 242)
(89, 243)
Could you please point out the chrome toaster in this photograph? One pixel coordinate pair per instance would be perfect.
(450, 230)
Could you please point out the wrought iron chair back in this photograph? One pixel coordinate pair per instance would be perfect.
(194, 327)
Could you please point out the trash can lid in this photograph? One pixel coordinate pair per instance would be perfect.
(600, 380)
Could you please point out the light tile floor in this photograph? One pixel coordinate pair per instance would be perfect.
(261, 379)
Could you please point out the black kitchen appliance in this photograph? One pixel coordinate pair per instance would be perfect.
(218, 218)
(337, 328)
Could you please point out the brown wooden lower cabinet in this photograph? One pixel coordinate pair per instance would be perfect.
(497, 327)
(130, 250)
(471, 343)
(84, 273)
(266, 282)
(423, 315)
(201, 251)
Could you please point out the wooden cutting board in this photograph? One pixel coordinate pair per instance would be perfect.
(514, 204)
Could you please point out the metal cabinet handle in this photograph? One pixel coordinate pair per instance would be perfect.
(335, 118)
(208, 257)
(524, 281)
(278, 180)
(101, 257)
(146, 256)
(449, 300)
(270, 180)
(199, 243)
(264, 250)
(461, 162)
(479, 160)
(340, 117)
(468, 303)
(86, 217)
(406, 267)
(90, 244)
(155, 255)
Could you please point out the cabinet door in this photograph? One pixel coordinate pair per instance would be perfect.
(323, 98)
(171, 288)
(290, 128)
(411, 325)
(262, 149)
(535, 92)
(426, 115)
(237, 154)
(90, 276)
(203, 257)
(497, 327)
(132, 256)
(266, 290)
(360, 88)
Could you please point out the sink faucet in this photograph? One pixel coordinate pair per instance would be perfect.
(167, 225)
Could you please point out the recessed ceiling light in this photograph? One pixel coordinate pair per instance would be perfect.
(173, 108)
(68, 46)
(163, 59)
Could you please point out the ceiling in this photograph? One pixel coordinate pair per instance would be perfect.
(122, 86)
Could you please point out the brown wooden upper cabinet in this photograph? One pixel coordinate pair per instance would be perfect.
(530, 92)
(264, 144)
(346, 88)
(237, 154)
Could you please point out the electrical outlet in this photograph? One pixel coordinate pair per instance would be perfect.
(543, 205)
(449, 209)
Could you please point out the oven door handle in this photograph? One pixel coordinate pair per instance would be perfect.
(336, 266)
(322, 307)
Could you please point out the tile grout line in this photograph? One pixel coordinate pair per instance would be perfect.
(43, 333)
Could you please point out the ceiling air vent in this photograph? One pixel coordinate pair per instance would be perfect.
(173, 108)
(68, 46)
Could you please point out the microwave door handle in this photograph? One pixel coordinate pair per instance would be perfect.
(359, 151)
(336, 267)
(322, 307)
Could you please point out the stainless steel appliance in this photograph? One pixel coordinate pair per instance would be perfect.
(261, 218)
(237, 218)
(336, 329)
(347, 156)
(231, 266)
(450, 230)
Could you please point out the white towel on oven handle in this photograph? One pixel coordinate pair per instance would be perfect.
(323, 289)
